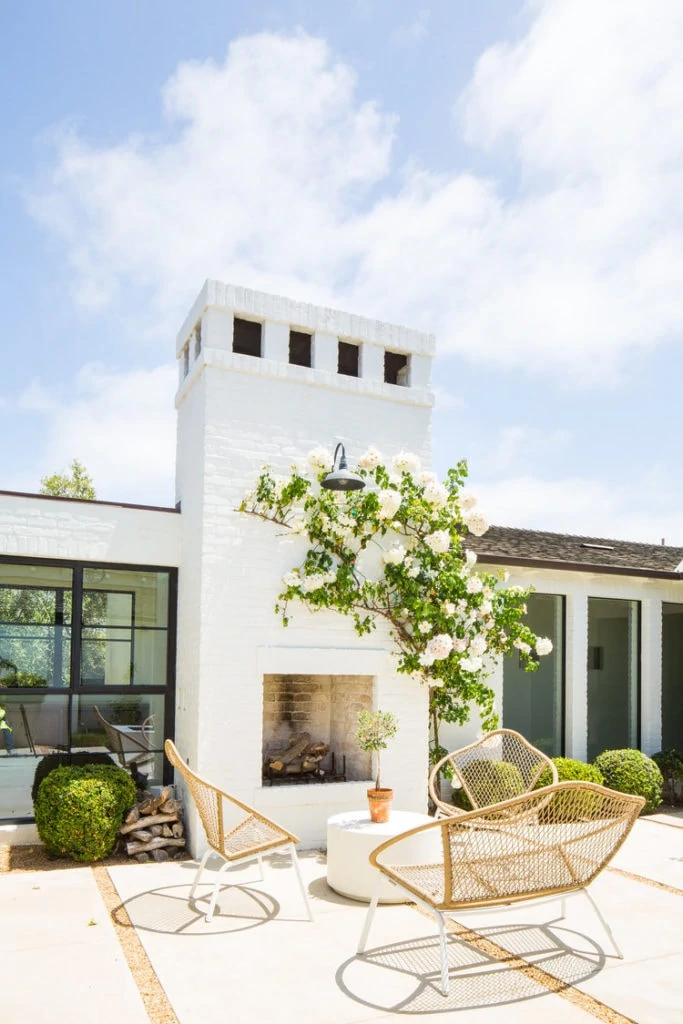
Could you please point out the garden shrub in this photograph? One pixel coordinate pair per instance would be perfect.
(79, 810)
(499, 780)
(562, 806)
(631, 771)
(48, 764)
(670, 764)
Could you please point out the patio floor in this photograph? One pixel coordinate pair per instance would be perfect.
(260, 959)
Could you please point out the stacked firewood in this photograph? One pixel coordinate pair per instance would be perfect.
(299, 758)
(153, 829)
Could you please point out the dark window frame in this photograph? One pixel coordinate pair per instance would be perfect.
(244, 332)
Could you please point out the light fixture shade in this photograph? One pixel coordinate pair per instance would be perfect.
(341, 478)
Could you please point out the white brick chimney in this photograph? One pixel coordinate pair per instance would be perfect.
(235, 413)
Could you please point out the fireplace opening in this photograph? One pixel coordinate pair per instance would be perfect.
(309, 726)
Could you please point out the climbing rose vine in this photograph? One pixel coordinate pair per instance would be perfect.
(397, 551)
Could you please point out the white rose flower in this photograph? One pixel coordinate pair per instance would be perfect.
(439, 647)
(461, 605)
(439, 541)
(395, 555)
(427, 477)
(320, 458)
(543, 646)
(436, 494)
(478, 646)
(485, 608)
(459, 645)
(471, 664)
(406, 462)
(471, 557)
(413, 571)
(424, 627)
(291, 579)
(297, 524)
(476, 523)
(370, 459)
(389, 503)
(448, 608)
(521, 646)
(466, 500)
(474, 585)
(426, 659)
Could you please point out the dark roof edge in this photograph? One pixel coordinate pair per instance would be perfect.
(89, 501)
(615, 570)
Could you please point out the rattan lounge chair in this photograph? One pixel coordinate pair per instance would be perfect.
(542, 845)
(246, 840)
(132, 749)
(498, 767)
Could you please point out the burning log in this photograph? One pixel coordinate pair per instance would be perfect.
(153, 826)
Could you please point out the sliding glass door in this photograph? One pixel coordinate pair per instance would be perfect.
(613, 674)
(672, 676)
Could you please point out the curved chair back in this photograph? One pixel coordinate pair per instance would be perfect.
(497, 767)
(128, 747)
(254, 832)
(554, 840)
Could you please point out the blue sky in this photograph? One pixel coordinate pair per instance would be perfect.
(505, 174)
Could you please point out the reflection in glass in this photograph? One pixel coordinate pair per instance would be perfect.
(532, 701)
(138, 721)
(672, 676)
(39, 724)
(35, 633)
(613, 674)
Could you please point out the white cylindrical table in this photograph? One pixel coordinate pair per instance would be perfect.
(351, 838)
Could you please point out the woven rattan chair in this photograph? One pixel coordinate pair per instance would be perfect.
(132, 749)
(542, 845)
(498, 767)
(247, 840)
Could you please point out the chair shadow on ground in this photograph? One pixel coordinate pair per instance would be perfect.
(243, 901)
(403, 977)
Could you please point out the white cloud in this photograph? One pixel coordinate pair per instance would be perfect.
(263, 176)
(582, 506)
(121, 426)
(411, 32)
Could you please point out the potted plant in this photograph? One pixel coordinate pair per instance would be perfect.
(375, 729)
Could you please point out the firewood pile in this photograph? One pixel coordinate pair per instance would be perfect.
(153, 829)
(300, 757)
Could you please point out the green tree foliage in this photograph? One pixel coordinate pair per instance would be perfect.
(631, 771)
(76, 484)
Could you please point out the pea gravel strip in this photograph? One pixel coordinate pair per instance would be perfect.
(647, 881)
(589, 1004)
(153, 996)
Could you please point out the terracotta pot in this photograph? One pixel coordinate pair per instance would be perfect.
(379, 802)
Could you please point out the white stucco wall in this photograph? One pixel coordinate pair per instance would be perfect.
(236, 413)
(37, 526)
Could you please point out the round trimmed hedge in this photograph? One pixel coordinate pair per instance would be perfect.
(501, 779)
(670, 764)
(631, 771)
(79, 810)
(569, 770)
(48, 764)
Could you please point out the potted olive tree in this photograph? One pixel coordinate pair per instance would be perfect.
(375, 729)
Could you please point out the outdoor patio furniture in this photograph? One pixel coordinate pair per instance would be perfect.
(132, 747)
(247, 839)
(541, 845)
(497, 767)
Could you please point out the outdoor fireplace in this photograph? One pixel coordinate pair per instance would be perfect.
(309, 725)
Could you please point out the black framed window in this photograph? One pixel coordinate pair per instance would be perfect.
(75, 637)
(613, 703)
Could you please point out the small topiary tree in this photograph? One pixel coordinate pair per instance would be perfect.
(79, 810)
(670, 764)
(631, 771)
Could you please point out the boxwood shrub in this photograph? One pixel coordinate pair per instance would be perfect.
(500, 779)
(670, 764)
(79, 810)
(569, 770)
(631, 771)
(562, 807)
(48, 764)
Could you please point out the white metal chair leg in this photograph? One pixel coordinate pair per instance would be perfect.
(362, 942)
(605, 925)
(202, 864)
(445, 981)
(302, 887)
(214, 894)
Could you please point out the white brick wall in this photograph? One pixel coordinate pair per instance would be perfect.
(236, 413)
